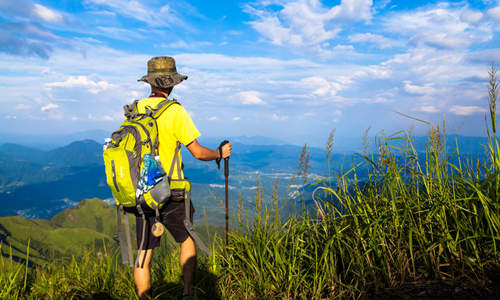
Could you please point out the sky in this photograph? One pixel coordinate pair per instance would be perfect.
(291, 70)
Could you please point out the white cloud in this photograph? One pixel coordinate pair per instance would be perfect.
(93, 87)
(236, 118)
(351, 10)
(155, 17)
(416, 89)
(11, 117)
(180, 44)
(100, 117)
(428, 109)
(321, 86)
(119, 33)
(47, 14)
(251, 98)
(471, 16)
(494, 13)
(464, 110)
(277, 117)
(49, 107)
(345, 48)
(441, 27)
(305, 24)
(379, 40)
(220, 62)
(214, 118)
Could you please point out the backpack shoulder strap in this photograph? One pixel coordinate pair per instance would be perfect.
(130, 110)
(163, 106)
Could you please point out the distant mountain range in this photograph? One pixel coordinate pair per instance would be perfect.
(40, 183)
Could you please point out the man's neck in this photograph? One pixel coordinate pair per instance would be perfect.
(157, 93)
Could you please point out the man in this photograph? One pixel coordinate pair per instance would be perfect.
(174, 125)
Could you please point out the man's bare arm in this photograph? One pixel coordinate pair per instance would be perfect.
(203, 153)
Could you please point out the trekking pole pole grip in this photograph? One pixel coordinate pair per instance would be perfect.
(217, 160)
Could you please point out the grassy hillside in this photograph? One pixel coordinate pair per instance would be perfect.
(93, 214)
(91, 224)
(415, 228)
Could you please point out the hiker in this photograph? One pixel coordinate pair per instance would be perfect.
(174, 125)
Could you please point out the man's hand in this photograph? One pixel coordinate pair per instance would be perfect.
(226, 150)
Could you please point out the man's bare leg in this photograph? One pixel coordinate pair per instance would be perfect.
(188, 264)
(142, 276)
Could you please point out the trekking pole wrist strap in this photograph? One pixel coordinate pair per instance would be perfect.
(217, 160)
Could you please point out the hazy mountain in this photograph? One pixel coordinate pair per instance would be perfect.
(37, 183)
(52, 141)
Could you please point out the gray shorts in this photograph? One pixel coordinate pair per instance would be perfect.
(172, 216)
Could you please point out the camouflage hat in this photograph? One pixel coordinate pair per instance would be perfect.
(162, 72)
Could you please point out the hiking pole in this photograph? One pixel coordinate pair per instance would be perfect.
(226, 176)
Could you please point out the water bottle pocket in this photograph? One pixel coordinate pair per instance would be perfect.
(161, 191)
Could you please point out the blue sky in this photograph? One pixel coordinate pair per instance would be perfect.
(293, 70)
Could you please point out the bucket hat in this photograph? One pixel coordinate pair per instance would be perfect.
(162, 72)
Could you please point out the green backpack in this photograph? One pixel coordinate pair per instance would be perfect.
(124, 160)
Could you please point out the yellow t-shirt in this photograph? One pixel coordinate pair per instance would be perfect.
(174, 125)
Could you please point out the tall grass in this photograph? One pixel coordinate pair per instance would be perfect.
(416, 217)
(12, 279)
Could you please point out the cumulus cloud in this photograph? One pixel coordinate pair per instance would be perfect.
(93, 87)
(27, 9)
(305, 24)
(251, 98)
(47, 14)
(428, 109)
(49, 106)
(277, 117)
(343, 48)
(464, 110)
(417, 89)
(494, 13)
(441, 27)
(380, 41)
(472, 16)
(351, 10)
(236, 118)
(320, 86)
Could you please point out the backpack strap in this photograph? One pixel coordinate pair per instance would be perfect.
(156, 112)
(126, 260)
(130, 110)
(187, 201)
(189, 225)
(141, 249)
(176, 161)
(163, 106)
